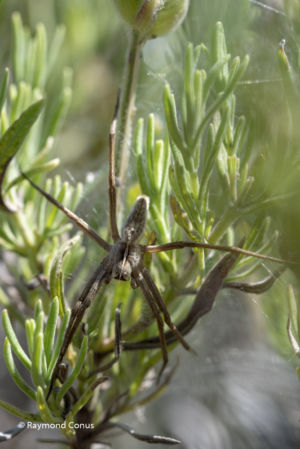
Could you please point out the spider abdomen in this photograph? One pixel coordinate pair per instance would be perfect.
(134, 226)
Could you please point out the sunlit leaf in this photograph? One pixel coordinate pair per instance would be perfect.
(11, 142)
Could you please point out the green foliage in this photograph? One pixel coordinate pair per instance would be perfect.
(204, 147)
(14, 137)
(43, 355)
(209, 146)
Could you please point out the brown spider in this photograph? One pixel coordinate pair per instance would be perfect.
(124, 262)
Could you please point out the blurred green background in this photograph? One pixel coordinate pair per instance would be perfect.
(95, 47)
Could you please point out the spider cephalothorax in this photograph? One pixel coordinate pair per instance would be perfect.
(126, 253)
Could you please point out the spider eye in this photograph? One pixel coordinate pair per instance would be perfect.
(135, 223)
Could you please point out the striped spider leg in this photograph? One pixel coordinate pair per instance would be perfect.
(124, 261)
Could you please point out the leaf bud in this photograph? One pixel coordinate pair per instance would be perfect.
(153, 18)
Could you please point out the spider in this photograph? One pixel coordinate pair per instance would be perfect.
(124, 262)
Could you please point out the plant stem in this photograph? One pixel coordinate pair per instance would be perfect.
(126, 115)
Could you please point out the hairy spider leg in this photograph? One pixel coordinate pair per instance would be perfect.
(256, 287)
(87, 296)
(161, 305)
(73, 217)
(112, 179)
(228, 249)
(140, 281)
(204, 300)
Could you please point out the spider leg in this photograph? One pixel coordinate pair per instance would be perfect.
(247, 287)
(256, 287)
(154, 439)
(139, 279)
(161, 305)
(203, 303)
(11, 433)
(73, 217)
(112, 177)
(84, 301)
(229, 249)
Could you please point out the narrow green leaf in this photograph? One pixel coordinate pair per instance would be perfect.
(189, 94)
(7, 233)
(287, 75)
(239, 273)
(219, 49)
(44, 408)
(38, 356)
(19, 97)
(34, 417)
(18, 350)
(259, 229)
(140, 158)
(83, 400)
(233, 172)
(51, 329)
(42, 209)
(211, 154)
(43, 155)
(189, 67)
(38, 308)
(76, 370)
(56, 273)
(239, 135)
(236, 72)
(30, 61)
(60, 197)
(19, 47)
(212, 75)
(76, 196)
(164, 189)
(12, 140)
(8, 357)
(158, 170)
(175, 185)
(55, 46)
(41, 57)
(3, 88)
(36, 170)
(181, 217)
(188, 201)
(59, 113)
(150, 142)
(159, 223)
(39, 329)
(30, 328)
(58, 343)
(172, 122)
(37, 361)
(199, 81)
(244, 192)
